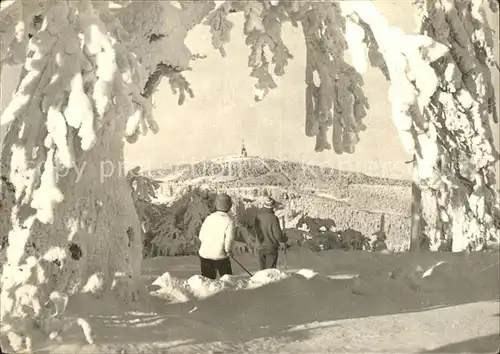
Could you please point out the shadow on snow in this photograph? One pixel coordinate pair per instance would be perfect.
(236, 317)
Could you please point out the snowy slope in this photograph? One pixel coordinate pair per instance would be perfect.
(390, 305)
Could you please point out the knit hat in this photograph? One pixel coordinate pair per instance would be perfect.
(204, 193)
(223, 203)
(269, 203)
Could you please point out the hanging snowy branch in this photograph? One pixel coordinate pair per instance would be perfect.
(157, 35)
(337, 98)
(220, 26)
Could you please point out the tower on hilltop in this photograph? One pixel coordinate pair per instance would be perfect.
(243, 150)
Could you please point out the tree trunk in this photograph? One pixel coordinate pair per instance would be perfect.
(96, 223)
(416, 210)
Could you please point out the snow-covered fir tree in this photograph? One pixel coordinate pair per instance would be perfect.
(90, 69)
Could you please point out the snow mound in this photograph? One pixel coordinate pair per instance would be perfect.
(265, 277)
(307, 273)
(172, 289)
(202, 287)
(411, 281)
(199, 287)
(234, 283)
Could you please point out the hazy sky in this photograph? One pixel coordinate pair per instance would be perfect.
(223, 113)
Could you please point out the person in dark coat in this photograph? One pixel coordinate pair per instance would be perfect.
(269, 235)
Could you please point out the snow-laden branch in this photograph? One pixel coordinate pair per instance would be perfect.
(413, 80)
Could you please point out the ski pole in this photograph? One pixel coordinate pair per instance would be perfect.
(286, 263)
(283, 226)
(241, 265)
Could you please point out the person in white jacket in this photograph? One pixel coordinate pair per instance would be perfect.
(217, 236)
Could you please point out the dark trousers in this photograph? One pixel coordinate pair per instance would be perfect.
(210, 267)
(268, 259)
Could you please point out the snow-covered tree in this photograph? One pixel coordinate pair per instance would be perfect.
(90, 69)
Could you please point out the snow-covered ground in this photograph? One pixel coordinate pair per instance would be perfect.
(338, 302)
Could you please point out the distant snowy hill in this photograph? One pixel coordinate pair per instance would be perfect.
(255, 170)
(353, 201)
